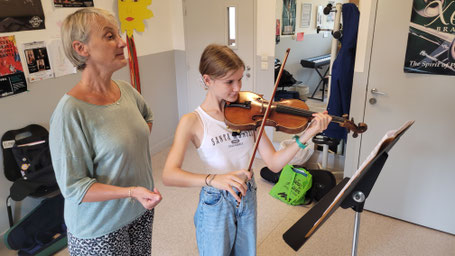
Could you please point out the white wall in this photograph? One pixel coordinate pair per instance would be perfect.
(265, 28)
(365, 24)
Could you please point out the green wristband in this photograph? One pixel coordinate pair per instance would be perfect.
(301, 145)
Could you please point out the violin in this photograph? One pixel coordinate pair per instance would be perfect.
(289, 115)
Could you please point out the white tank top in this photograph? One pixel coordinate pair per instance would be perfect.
(219, 150)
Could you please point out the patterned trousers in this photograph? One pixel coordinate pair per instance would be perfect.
(133, 239)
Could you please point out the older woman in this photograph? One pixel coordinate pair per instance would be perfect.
(99, 145)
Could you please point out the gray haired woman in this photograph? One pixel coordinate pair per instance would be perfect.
(99, 145)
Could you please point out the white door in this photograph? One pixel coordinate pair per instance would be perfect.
(417, 183)
(206, 22)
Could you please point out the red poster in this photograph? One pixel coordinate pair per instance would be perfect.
(278, 27)
(12, 78)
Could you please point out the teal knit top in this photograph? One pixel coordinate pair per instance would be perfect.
(108, 144)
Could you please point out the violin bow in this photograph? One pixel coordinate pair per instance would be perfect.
(264, 119)
(267, 111)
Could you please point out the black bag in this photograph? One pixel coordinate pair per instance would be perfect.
(27, 162)
(286, 78)
(323, 182)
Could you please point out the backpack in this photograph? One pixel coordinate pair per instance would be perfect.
(322, 182)
(27, 163)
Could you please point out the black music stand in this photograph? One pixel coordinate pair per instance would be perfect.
(324, 81)
(347, 194)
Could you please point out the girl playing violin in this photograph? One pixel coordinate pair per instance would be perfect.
(225, 222)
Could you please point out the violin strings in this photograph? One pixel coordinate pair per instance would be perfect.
(302, 112)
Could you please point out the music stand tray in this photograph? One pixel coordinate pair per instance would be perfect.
(349, 193)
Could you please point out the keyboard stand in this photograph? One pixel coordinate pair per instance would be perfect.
(324, 82)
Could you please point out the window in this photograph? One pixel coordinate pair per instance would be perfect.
(232, 25)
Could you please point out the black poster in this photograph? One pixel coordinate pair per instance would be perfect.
(37, 60)
(19, 15)
(73, 3)
(431, 47)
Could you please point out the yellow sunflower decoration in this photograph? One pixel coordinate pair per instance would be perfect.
(132, 14)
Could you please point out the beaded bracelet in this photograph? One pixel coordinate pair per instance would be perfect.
(301, 145)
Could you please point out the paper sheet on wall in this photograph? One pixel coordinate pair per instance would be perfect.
(38, 64)
(60, 64)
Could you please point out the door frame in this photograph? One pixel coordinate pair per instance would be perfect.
(359, 94)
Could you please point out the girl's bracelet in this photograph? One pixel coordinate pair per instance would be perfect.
(210, 181)
(297, 140)
(206, 183)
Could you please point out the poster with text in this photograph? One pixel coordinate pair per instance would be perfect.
(288, 17)
(20, 15)
(73, 3)
(12, 78)
(431, 38)
(37, 59)
(59, 62)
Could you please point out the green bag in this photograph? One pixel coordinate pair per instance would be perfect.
(292, 185)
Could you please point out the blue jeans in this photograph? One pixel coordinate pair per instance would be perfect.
(222, 228)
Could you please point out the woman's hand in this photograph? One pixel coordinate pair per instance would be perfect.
(147, 198)
(236, 179)
(319, 123)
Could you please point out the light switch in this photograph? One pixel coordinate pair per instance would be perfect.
(264, 65)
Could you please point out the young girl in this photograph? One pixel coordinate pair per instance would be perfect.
(222, 226)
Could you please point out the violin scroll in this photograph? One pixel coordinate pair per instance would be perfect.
(351, 126)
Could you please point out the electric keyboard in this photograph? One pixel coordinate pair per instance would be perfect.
(315, 62)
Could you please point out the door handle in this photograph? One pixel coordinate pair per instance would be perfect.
(375, 91)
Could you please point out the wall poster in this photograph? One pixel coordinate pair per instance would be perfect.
(73, 3)
(12, 78)
(305, 15)
(288, 17)
(59, 62)
(20, 15)
(431, 39)
(37, 61)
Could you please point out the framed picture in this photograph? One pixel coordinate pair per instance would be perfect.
(288, 17)
(305, 15)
